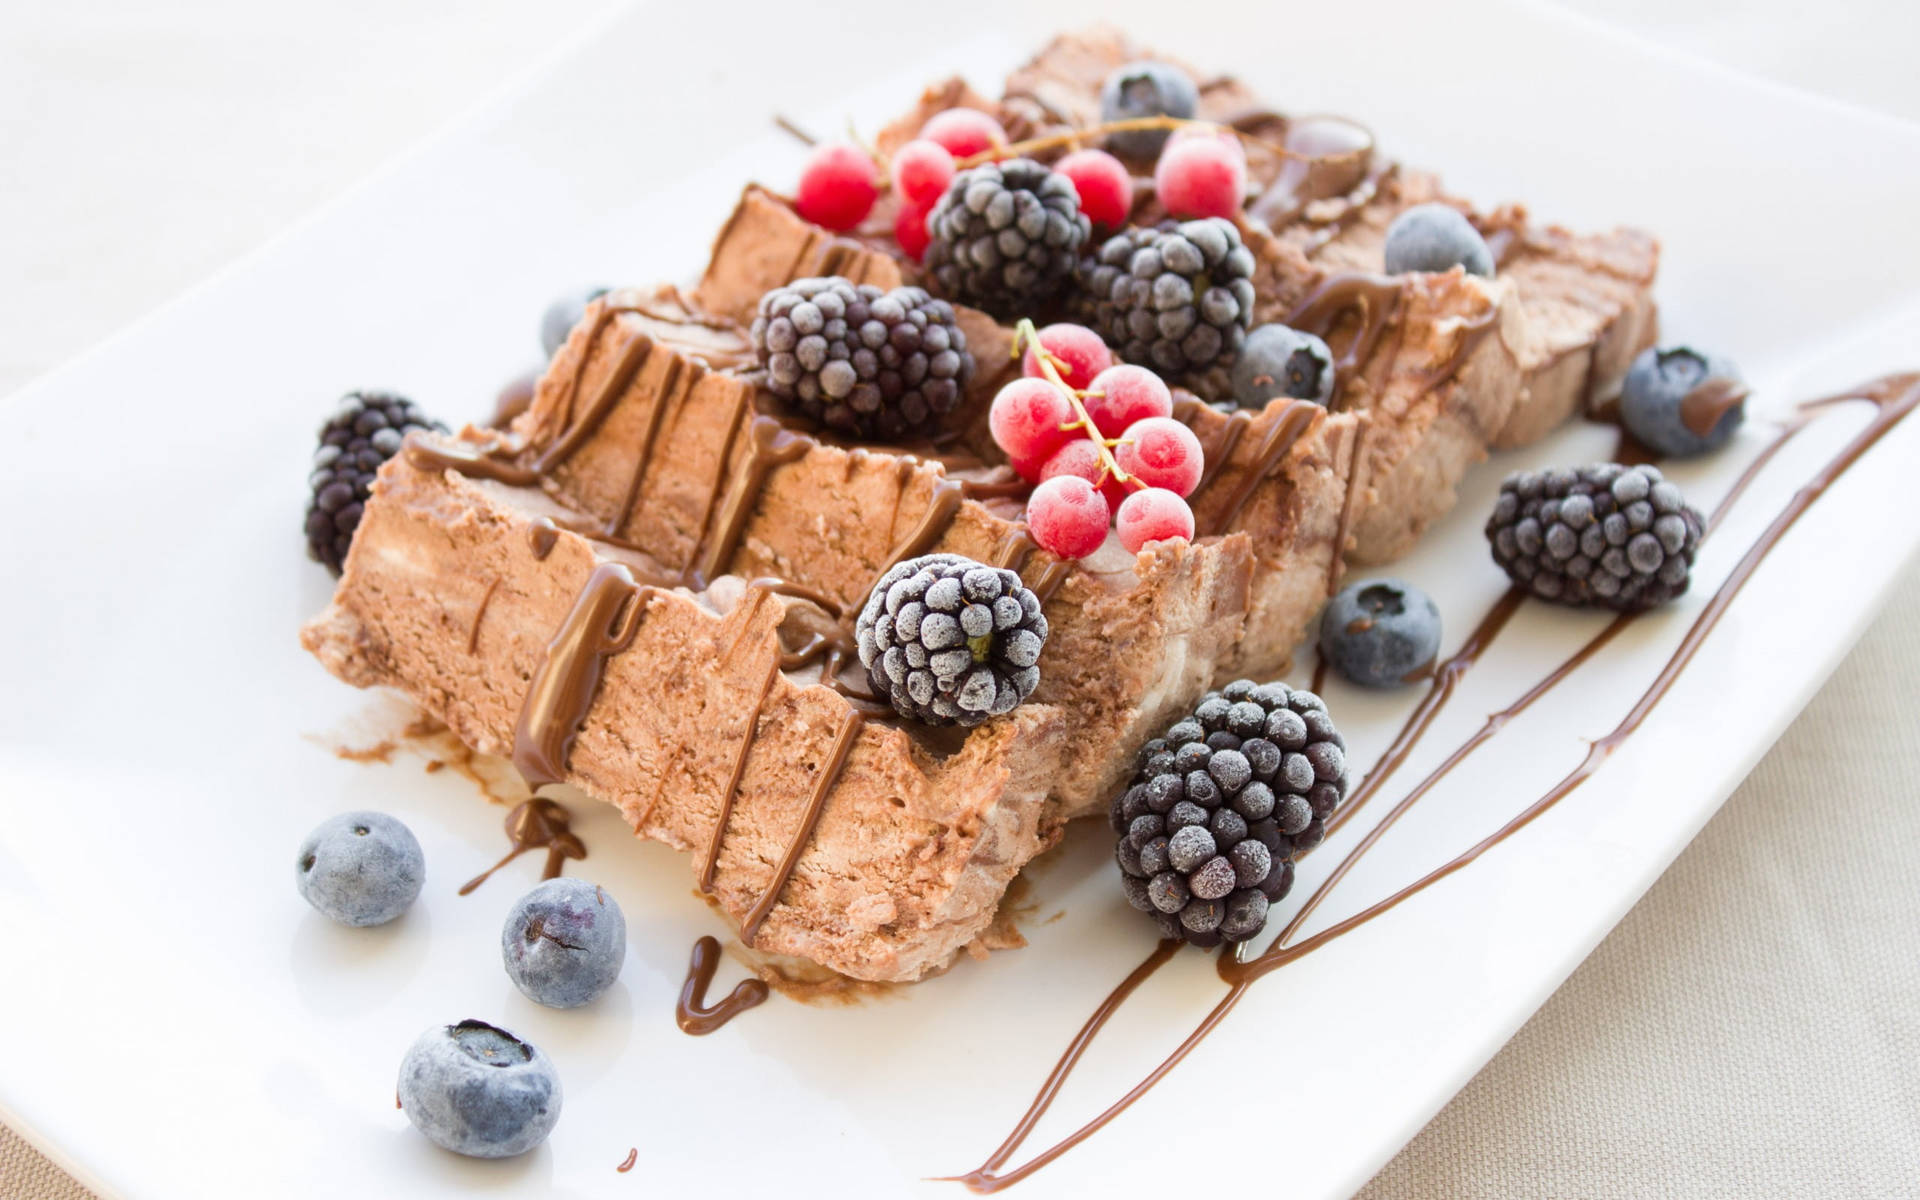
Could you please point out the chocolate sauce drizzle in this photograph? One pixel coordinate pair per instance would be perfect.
(1893, 398)
(536, 824)
(829, 774)
(694, 1016)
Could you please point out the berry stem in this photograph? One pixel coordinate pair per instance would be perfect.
(1072, 139)
(1024, 335)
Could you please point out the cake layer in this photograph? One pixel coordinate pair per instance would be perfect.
(453, 591)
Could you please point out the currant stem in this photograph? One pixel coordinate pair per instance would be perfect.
(1024, 335)
(1072, 138)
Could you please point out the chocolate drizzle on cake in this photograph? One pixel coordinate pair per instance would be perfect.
(1374, 299)
(1893, 399)
(829, 774)
(695, 1017)
(602, 623)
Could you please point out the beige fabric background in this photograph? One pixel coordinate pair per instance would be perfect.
(1751, 1029)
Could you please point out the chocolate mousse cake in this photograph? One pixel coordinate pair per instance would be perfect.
(647, 585)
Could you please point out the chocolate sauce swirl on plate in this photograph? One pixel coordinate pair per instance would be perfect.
(1893, 399)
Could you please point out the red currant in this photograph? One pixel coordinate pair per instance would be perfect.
(1026, 420)
(1078, 351)
(1068, 517)
(921, 171)
(1106, 190)
(964, 131)
(1154, 515)
(910, 230)
(1080, 457)
(1123, 394)
(1202, 176)
(836, 187)
(1162, 453)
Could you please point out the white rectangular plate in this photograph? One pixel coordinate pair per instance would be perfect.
(179, 1024)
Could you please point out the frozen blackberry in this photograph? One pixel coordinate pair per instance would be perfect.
(1006, 236)
(1177, 298)
(1222, 804)
(950, 641)
(869, 363)
(365, 432)
(1605, 536)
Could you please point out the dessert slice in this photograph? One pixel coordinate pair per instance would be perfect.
(824, 834)
(1452, 368)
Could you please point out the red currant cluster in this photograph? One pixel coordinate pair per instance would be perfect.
(1202, 172)
(1099, 440)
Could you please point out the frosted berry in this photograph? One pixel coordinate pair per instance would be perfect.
(1079, 354)
(1435, 237)
(836, 187)
(1201, 176)
(964, 131)
(951, 641)
(1608, 536)
(1162, 453)
(1123, 394)
(1080, 457)
(1681, 402)
(1068, 516)
(910, 230)
(1152, 515)
(1105, 187)
(921, 172)
(1026, 420)
(1381, 633)
(1006, 236)
(1145, 89)
(366, 430)
(1222, 803)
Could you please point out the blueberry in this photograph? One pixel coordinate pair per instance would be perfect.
(1380, 633)
(478, 1090)
(360, 868)
(1145, 89)
(563, 314)
(1681, 402)
(1434, 237)
(1279, 361)
(563, 943)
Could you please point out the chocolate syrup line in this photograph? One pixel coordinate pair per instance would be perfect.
(735, 773)
(1062, 1069)
(1294, 421)
(626, 1164)
(668, 387)
(603, 621)
(1894, 397)
(836, 762)
(1319, 672)
(1336, 569)
(479, 614)
(1376, 298)
(1446, 679)
(692, 1013)
(536, 824)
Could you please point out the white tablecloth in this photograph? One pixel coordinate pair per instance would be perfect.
(1752, 1028)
